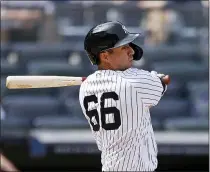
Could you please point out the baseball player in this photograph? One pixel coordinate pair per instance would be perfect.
(116, 100)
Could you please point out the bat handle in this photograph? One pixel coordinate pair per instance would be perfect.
(83, 78)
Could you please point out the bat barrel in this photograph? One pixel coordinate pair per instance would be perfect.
(24, 82)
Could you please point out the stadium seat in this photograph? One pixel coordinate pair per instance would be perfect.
(171, 53)
(30, 105)
(71, 14)
(198, 95)
(204, 45)
(5, 49)
(73, 38)
(189, 123)
(40, 51)
(101, 11)
(3, 86)
(132, 16)
(65, 92)
(169, 108)
(183, 71)
(79, 57)
(15, 123)
(84, 60)
(73, 107)
(55, 67)
(32, 92)
(176, 90)
(111, 12)
(10, 68)
(194, 17)
(188, 39)
(60, 121)
(156, 124)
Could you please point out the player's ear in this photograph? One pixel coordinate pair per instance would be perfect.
(104, 57)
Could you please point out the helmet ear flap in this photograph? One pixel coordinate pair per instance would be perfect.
(138, 51)
(92, 58)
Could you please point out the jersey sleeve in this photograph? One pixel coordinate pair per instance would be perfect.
(147, 85)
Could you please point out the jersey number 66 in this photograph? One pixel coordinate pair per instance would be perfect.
(103, 111)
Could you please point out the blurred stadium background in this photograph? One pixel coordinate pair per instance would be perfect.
(45, 128)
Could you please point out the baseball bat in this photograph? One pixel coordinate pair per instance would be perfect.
(26, 82)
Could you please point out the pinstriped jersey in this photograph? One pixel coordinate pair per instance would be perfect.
(116, 105)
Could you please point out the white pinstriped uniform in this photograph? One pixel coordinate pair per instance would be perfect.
(131, 145)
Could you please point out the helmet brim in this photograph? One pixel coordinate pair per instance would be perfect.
(128, 39)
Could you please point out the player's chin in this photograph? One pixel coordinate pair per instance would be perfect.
(127, 66)
(130, 63)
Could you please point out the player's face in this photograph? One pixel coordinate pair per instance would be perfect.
(121, 58)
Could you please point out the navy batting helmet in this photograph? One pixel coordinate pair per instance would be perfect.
(107, 36)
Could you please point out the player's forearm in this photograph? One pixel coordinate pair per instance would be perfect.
(6, 165)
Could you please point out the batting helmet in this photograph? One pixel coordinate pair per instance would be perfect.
(107, 36)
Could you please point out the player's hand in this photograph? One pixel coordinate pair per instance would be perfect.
(164, 78)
